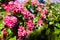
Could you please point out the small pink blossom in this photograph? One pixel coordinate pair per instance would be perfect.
(42, 5)
(40, 22)
(8, 7)
(29, 32)
(26, 1)
(43, 15)
(45, 11)
(2, 38)
(22, 32)
(35, 2)
(4, 31)
(30, 25)
(39, 9)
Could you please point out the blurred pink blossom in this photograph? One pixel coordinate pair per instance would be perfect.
(39, 9)
(30, 25)
(4, 32)
(43, 15)
(40, 22)
(27, 14)
(22, 32)
(35, 2)
(10, 21)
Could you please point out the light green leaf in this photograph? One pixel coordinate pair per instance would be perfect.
(35, 19)
(58, 25)
(1, 24)
(57, 31)
(9, 31)
(51, 23)
(1, 34)
(13, 38)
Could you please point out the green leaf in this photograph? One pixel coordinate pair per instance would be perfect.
(57, 31)
(1, 24)
(58, 25)
(51, 23)
(1, 34)
(9, 31)
(4, 13)
(13, 38)
(56, 18)
(47, 31)
(35, 19)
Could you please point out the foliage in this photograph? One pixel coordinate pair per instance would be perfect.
(36, 21)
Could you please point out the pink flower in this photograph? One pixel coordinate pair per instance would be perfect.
(27, 14)
(11, 2)
(26, 1)
(42, 5)
(10, 21)
(30, 25)
(45, 11)
(9, 6)
(29, 32)
(39, 9)
(2, 38)
(43, 15)
(22, 32)
(4, 31)
(17, 7)
(13, 6)
(40, 22)
(35, 2)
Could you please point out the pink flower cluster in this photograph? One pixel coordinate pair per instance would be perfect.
(44, 12)
(27, 14)
(43, 15)
(39, 9)
(17, 7)
(35, 2)
(13, 6)
(10, 21)
(22, 32)
(30, 25)
(8, 7)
